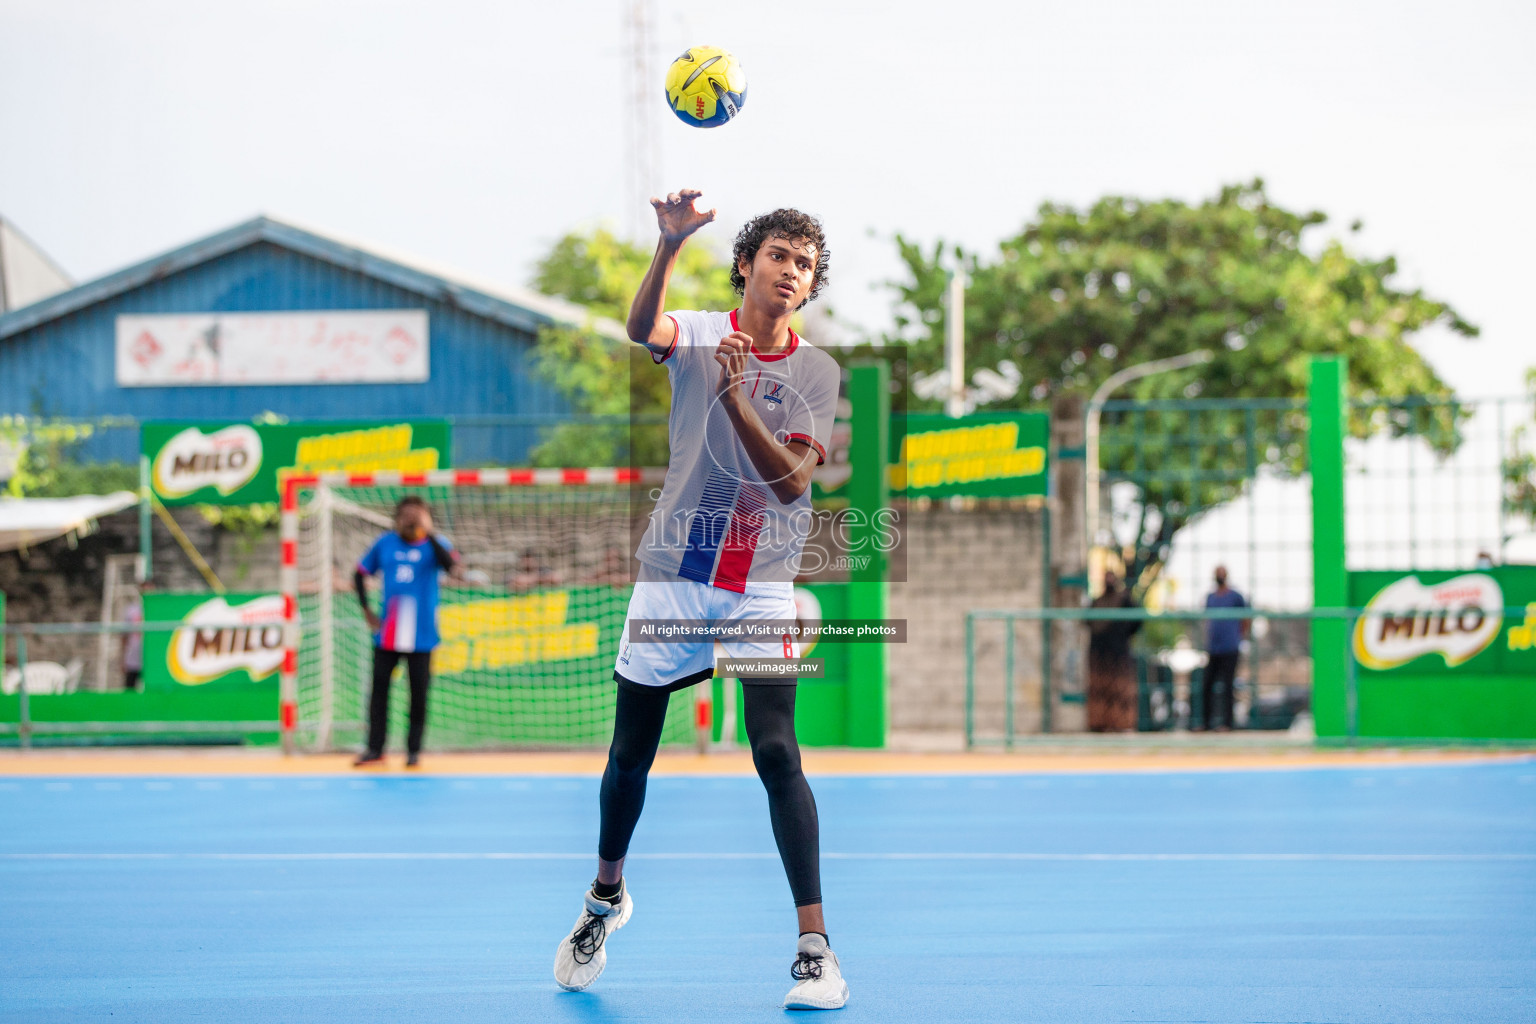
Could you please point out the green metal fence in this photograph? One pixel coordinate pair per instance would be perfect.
(1029, 682)
(1009, 674)
(1430, 484)
(28, 712)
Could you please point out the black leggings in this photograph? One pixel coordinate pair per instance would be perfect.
(770, 713)
(418, 667)
(1216, 689)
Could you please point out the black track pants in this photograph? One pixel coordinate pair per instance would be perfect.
(769, 709)
(1216, 689)
(418, 666)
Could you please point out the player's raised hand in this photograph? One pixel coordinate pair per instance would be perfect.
(676, 216)
(732, 356)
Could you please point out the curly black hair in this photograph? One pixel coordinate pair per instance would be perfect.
(789, 224)
(411, 501)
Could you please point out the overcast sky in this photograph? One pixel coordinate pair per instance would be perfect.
(474, 133)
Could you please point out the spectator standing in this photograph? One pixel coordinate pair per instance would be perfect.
(1111, 671)
(133, 643)
(1223, 644)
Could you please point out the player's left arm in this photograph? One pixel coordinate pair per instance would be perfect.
(447, 557)
(787, 468)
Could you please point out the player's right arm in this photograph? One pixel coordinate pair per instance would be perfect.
(675, 216)
(367, 566)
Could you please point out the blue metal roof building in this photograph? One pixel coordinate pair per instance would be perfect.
(57, 355)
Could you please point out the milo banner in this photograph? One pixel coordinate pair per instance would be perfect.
(486, 632)
(228, 640)
(984, 455)
(243, 463)
(1436, 655)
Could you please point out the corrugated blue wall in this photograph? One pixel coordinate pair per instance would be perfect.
(64, 368)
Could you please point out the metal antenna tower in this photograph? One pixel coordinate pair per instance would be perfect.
(642, 155)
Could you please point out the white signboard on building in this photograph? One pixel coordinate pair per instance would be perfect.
(374, 346)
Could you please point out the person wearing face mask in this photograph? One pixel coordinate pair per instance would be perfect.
(1223, 643)
(409, 558)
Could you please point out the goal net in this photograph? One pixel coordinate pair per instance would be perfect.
(528, 639)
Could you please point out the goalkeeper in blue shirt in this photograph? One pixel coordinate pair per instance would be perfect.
(410, 559)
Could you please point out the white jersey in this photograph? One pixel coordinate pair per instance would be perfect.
(716, 521)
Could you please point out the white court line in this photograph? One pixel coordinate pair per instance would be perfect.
(954, 856)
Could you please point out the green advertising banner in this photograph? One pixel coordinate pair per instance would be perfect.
(984, 455)
(1436, 657)
(222, 463)
(229, 641)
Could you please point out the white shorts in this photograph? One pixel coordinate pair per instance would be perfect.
(676, 665)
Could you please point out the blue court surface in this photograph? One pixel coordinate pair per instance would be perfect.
(1357, 894)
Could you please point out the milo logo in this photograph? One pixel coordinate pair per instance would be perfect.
(225, 460)
(219, 639)
(1456, 619)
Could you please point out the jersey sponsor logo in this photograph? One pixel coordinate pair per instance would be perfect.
(1456, 619)
(219, 639)
(225, 460)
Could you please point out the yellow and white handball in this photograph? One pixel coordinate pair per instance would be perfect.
(706, 87)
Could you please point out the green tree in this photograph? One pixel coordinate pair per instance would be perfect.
(614, 380)
(50, 465)
(1520, 466)
(1081, 293)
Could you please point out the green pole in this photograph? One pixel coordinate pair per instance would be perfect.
(869, 491)
(1330, 580)
(146, 520)
(23, 709)
(1047, 698)
(1008, 682)
(970, 681)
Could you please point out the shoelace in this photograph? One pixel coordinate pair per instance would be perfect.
(805, 967)
(588, 939)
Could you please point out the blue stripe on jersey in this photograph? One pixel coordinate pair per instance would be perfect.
(708, 527)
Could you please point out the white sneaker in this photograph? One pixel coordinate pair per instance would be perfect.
(819, 983)
(583, 954)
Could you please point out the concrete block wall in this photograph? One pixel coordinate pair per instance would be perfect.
(983, 556)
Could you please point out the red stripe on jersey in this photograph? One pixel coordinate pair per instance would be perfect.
(821, 453)
(768, 357)
(676, 331)
(740, 541)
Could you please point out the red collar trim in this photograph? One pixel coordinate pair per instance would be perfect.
(768, 357)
